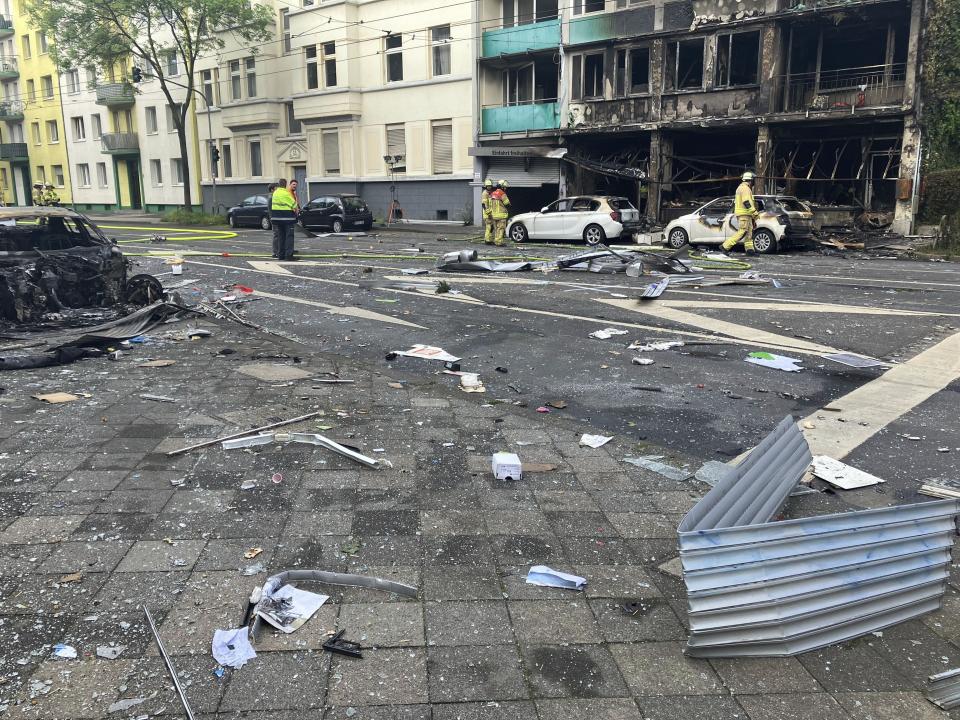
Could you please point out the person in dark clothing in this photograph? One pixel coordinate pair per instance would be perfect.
(276, 239)
(283, 213)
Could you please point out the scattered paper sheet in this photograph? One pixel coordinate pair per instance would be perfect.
(56, 398)
(642, 361)
(289, 608)
(650, 347)
(232, 648)
(547, 577)
(607, 333)
(428, 352)
(651, 462)
(777, 362)
(841, 474)
(65, 651)
(857, 361)
(594, 441)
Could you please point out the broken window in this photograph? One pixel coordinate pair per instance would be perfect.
(593, 76)
(738, 59)
(587, 6)
(684, 65)
(518, 85)
(632, 72)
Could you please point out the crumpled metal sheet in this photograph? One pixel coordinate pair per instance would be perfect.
(945, 689)
(761, 588)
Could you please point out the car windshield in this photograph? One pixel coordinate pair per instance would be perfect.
(353, 203)
(621, 203)
(790, 204)
(47, 234)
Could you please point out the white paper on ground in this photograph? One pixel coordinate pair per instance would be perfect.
(857, 361)
(777, 362)
(594, 441)
(232, 648)
(642, 361)
(842, 475)
(289, 608)
(547, 577)
(650, 347)
(428, 352)
(65, 651)
(607, 333)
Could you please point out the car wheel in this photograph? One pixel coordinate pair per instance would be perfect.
(265, 223)
(677, 238)
(231, 221)
(764, 242)
(594, 235)
(338, 226)
(518, 232)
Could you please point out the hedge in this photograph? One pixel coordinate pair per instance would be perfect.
(941, 195)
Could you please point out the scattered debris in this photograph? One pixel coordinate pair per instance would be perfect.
(857, 361)
(538, 467)
(642, 361)
(232, 648)
(254, 569)
(110, 652)
(543, 409)
(65, 651)
(252, 553)
(507, 466)
(840, 474)
(157, 398)
(56, 398)
(243, 433)
(125, 704)
(945, 689)
(654, 346)
(424, 352)
(156, 363)
(558, 404)
(652, 462)
(547, 577)
(339, 646)
(334, 381)
(714, 472)
(941, 488)
(607, 333)
(655, 290)
(594, 441)
(71, 578)
(776, 362)
(471, 383)
(171, 670)
(305, 438)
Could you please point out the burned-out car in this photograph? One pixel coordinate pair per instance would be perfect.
(54, 260)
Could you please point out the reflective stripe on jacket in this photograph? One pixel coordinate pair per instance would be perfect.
(283, 205)
(744, 204)
(499, 204)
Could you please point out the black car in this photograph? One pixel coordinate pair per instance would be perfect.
(252, 211)
(339, 213)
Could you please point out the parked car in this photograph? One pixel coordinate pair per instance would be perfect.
(783, 219)
(253, 211)
(336, 213)
(591, 218)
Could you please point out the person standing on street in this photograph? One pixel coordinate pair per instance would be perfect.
(37, 194)
(276, 238)
(745, 208)
(488, 224)
(292, 187)
(51, 197)
(500, 211)
(283, 214)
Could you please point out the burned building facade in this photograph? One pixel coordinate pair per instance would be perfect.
(668, 102)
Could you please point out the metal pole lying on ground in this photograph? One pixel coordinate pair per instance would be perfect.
(243, 433)
(170, 669)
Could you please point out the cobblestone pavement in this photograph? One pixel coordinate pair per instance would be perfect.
(96, 521)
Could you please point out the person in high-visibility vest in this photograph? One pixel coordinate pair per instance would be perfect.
(50, 196)
(488, 224)
(745, 208)
(276, 236)
(283, 214)
(37, 194)
(500, 211)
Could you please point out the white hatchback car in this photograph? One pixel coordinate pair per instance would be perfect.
(782, 219)
(591, 218)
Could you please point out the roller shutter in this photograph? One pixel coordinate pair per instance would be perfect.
(525, 172)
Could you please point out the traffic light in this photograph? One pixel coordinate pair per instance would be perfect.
(215, 154)
(137, 74)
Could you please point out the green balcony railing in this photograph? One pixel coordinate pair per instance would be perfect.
(6, 27)
(14, 152)
(11, 110)
(517, 118)
(9, 69)
(122, 143)
(115, 94)
(544, 35)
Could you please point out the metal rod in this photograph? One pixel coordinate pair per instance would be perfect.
(169, 663)
(244, 433)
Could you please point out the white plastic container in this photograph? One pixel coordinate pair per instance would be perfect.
(506, 466)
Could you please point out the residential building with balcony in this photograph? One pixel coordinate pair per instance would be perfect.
(15, 182)
(669, 102)
(343, 88)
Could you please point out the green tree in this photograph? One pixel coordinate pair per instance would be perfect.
(941, 85)
(106, 33)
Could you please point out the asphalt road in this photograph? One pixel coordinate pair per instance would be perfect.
(700, 400)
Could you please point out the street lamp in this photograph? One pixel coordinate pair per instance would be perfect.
(392, 161)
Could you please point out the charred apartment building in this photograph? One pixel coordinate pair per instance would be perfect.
(669, 101)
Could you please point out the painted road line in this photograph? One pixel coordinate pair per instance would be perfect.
(871, 407)
(729, 329)
(806, 308)
(267, 266)
(353, 312)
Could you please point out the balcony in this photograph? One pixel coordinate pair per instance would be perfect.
(611, 113)
(123, 143)
(6, 27)
(848, 91)
(543, 35)
(11, 110)
(9, 70)
(116, 95)
(519, 118)
(14, 152)
(252, 114)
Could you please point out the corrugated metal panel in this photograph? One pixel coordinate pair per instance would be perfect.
(945, 689)
(525, 172)
(760, 588)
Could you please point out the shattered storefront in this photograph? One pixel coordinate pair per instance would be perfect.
(535, 174)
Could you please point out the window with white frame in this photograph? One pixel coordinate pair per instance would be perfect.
(236, 87)
(35, 131)
(96, 126)
(329, 64)
(251, 69)
(53, 131)
(173, 63)
(393, 49)
(294, 125)
(310, 60)
(79, 128)
(632, 75)
(581, 7)
(256, 159)
(25, 44)
(31, 90)
(738, 59)
(206, 82)
(524, 12)
(71, 79)
(83, 175)
(156, 173)
(397, 146)
(176, 171)
(150, 117)
(285, 26)
(331, 152)
(172, 115)
(442, 147)
(41, 173)
(587, 77)
(102, 174)
(46, 84)
(58, 175)
(440, 49)
(16, 132)
(42, 43)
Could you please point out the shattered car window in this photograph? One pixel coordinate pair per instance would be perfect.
(31, 233)
(585, 205)
(790, 204)
(621, 203)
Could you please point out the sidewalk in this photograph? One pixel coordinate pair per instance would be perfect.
(86, 487)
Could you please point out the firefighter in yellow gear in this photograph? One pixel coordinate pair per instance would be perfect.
(37, 194)
(485, 210)
(745, 208)
(500, 211)
(50, 196)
